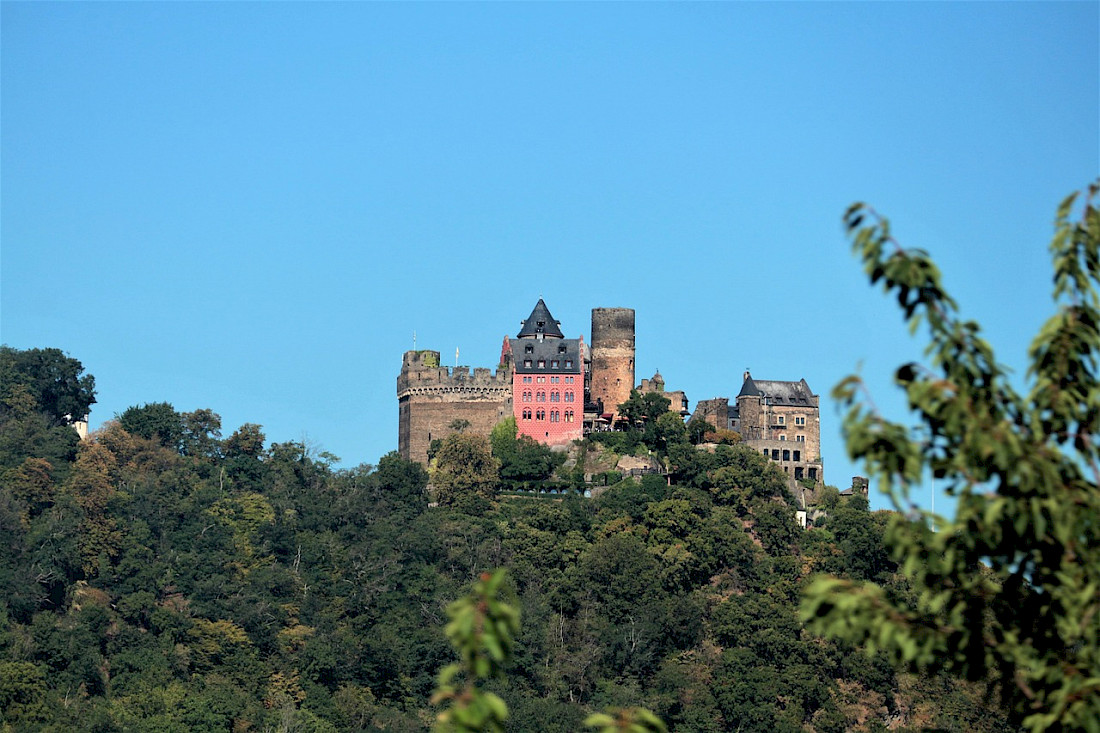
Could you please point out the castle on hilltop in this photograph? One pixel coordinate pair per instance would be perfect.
(557, 388)
(560, 389)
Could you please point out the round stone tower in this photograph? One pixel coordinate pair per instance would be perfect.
(612, 356)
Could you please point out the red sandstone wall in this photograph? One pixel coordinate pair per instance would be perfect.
(545, 429)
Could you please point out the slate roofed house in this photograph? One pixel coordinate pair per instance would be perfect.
(778, 418)
(548, 379)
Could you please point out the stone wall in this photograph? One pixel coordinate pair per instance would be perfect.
(612, 356)
(431, 397)
(800, 424)
(715, 411)
(677, 401)
(781, 431)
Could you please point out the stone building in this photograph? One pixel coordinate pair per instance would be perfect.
(714, 411)
(779, 419)
(677, 401)
(547, 379)
(541, 380)
(431, 398)
(612, 359)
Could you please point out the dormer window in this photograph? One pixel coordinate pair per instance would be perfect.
(542, 363)
(561, 349)
(527, 363)
(528, 349)
(568, 363)
(555, 364)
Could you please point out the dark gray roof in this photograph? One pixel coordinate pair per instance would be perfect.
(540, 322)
(779, 393)
(528, 353)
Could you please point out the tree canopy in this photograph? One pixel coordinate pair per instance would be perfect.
(464, 468)
(209, 583)
(1010, 587)
(56, 383)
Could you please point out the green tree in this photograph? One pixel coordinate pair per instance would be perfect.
(1011, 586)
(521, 457)
(201, 433)
(644, 407)
(22, 694)
(92, 486)
(670, 429)
(503, 436)
(32, 483)
(399, 485)
(859, 539)
(157, 421)
(465, 467)
(54, 381)
(28, 432)
(626, 720)
(247, 440)
(483, 626)
(697, 430)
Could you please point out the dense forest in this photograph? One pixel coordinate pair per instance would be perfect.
(159, 576)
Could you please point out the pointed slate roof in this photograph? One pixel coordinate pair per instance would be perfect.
(541, 323)
(547, 356)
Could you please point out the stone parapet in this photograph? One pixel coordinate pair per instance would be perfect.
(432, 398)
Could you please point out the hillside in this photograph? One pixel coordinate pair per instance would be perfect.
(157, 576)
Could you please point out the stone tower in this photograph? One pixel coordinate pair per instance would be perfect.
(612, 356)
(430, 398)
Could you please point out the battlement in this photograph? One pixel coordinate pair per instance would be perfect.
(422, 374)
(432, 399)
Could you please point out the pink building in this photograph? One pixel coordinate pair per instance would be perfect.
(547, 380)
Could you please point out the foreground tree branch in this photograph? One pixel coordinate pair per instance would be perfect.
(1009, 588)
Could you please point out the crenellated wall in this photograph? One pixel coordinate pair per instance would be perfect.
(431, 397)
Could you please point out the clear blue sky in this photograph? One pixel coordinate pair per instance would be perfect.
(251, 207)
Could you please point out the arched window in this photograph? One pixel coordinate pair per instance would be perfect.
(526, 396)
(555, 396)
(540, 415)
(542, 397)
(568, 396)
(555, 416)
(569, 416)
(526, 414)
